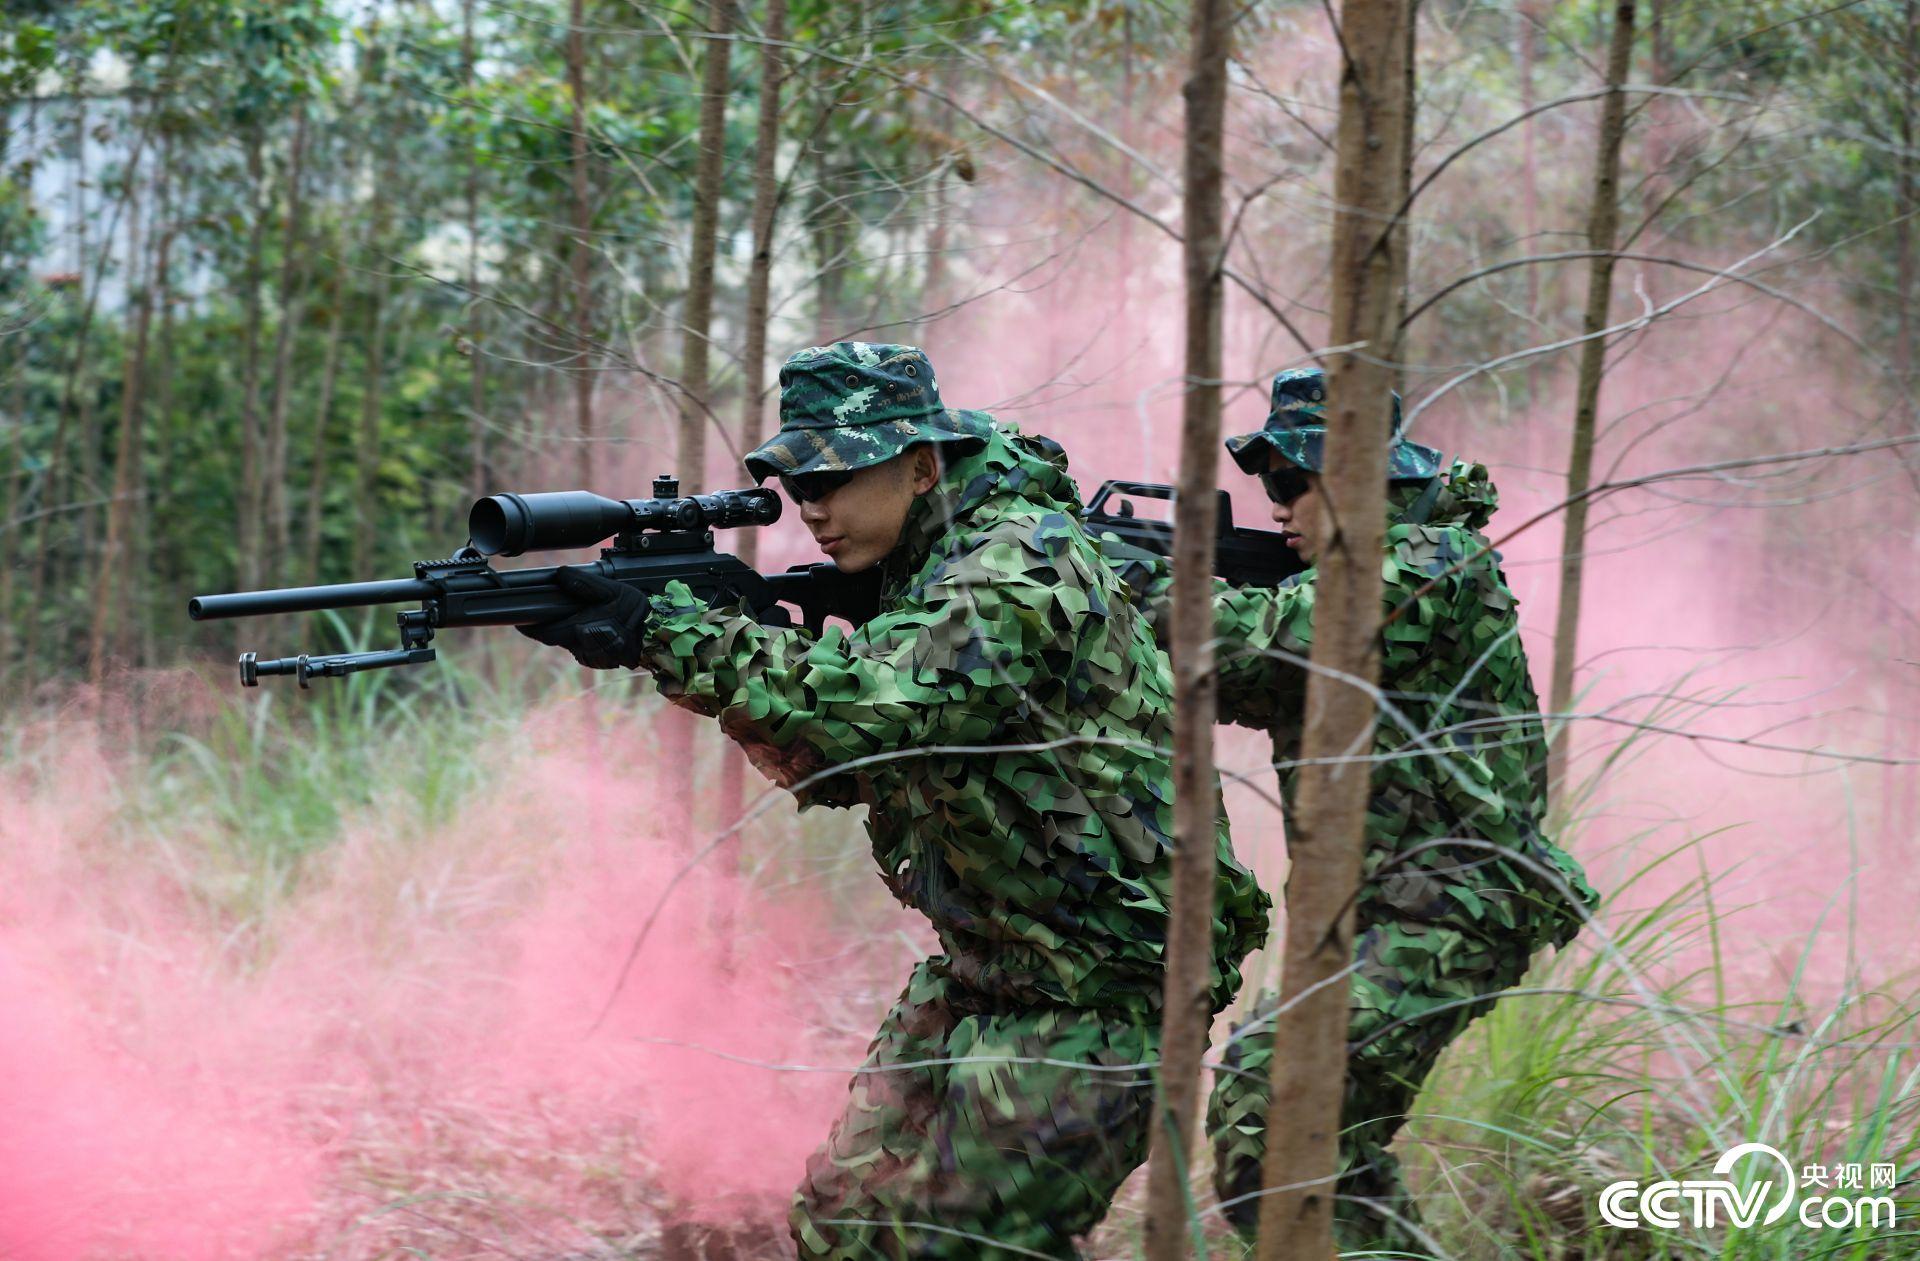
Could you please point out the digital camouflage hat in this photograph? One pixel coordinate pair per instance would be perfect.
(1297, 427)
(853, 404)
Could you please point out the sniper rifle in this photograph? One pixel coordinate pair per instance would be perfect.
(655, 541)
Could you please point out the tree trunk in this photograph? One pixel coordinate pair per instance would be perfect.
(1326, 833)
(1602, 227)
(582, 212)
(274, 494)
(1529, 171)
(753, 403)
(766, 205)
(15, 486)
(697, 320)
(1904, 206)
(160, 580)
(248, 534)
(1899, 784)
(367, 442)
(322, 417)
(1187, 1008)
(1403, 257)
(829, 235)
(109, 584)
(55, 481)
(478, 475)
(86, 487)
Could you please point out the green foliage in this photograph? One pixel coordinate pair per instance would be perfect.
(405, 123)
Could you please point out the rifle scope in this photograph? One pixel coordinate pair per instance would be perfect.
(508, 525)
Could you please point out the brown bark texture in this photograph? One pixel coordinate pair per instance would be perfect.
(366, 452)
(753, 403)
(1326, 831)
(766, 205)
(697, 319)
(248, 535)
(1187, 1011)
(111, 587)
(478, 473)
(273, 498)
(581, 207)
(1603, 221)
(322, 417)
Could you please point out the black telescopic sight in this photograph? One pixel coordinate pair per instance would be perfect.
(509, 525)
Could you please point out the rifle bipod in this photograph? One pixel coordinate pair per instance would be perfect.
(416, 634)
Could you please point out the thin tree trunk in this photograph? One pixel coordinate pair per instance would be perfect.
(157, 587)
(56, 479)
(1905, 205)
(1529, 173)
(87, 485)
(697, 320)
(322, 418)
(247, 533)
(77, 394)
(1899, 785)
(1186, 1006)
(367, 441)
(111, 582)
(274, 494)
(16, 467)
(168, 571)
(1662, 57)
(766, 205)
(478, 475)
(753, 403)
(1403, 257)
(1326, 834)
(582, 211)
(1602, 227)
(827, 234)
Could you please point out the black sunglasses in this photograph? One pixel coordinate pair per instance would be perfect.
(805, 488)
(1285, 485)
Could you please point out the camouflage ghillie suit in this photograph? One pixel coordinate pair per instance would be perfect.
(1006, 720)
(1459, 885)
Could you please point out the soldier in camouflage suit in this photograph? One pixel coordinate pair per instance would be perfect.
(1006, 720)
(1459, 885)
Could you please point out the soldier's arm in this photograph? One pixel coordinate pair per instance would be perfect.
(1253, 629)
(1262, 636)
(944, 667)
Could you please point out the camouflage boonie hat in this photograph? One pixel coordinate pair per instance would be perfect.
(1297, 427)
(853, 404)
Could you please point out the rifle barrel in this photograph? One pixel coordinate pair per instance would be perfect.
(344, 595)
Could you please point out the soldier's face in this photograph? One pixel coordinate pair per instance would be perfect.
(1299, 517)
(858, 524)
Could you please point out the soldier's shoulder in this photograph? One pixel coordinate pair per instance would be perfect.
(1024, 547)
(1439, 551)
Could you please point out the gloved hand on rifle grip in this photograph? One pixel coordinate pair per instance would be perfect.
(606, 631)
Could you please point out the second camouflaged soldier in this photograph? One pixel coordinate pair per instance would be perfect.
(1006, 720)
(1459, 885)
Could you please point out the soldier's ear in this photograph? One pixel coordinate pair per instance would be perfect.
(925, 468)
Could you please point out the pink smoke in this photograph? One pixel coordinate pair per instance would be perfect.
(422, 1017)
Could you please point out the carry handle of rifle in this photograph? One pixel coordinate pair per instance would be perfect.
(1223, 525)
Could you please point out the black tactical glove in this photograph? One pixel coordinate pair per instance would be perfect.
(607, 629)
